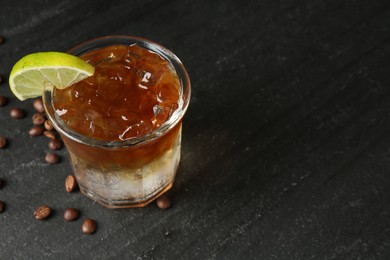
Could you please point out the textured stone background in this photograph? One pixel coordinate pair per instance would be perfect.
(286, 144)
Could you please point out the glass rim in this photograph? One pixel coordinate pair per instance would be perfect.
(101, 42)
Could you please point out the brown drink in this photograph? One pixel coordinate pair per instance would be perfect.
(122, 126)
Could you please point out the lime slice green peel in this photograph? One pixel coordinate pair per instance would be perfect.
(33, 71)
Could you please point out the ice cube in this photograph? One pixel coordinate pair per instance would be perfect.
(157, 109)
(138, 128)
(147, 101)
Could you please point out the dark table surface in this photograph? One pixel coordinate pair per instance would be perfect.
(286, 143)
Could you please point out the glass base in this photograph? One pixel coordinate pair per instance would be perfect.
(128, 187)
(126, 203)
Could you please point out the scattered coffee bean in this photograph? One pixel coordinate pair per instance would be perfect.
(42, 212)
(3, 101)
(70, 183)
(2, 206)
(36, 130)
(38, 119)
(52, 158)
(55, 144)
(163, 202)
(89, 226)
(38, 105)
(3, 142)
(17, 113)
(48, 125)
(1, 40)
(49, 134)
(71, 214)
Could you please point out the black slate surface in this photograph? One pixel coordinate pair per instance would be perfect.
(286, 143)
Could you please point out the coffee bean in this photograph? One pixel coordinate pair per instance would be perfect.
(89, 226)
(38, 119)
(3, 142)
(55, 144)
(2, 206)
(36, 130)
(70, 183)
(52, 158)
(17, 113)
(49, 134)
(71, 214)
(38, 105)
(48, 125)
(42, 212)
(163, 202)
(3, 101)
(1, 40)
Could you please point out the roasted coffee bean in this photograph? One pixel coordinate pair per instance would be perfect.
(38, 119)
(52, 158)
(3, 101)
(163, 202)
(71, 214)
(48, 125)
(2, 206)
(17, 113)
(49, 134)
(1, 40)
(3, 142)
(36, 130)
(55, 144)
(42, 212)
(89, 226)
(70, 183)
(38, 105)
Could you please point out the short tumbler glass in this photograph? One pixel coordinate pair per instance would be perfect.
(134, 172)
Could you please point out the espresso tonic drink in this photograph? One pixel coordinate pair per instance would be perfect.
(122, 126)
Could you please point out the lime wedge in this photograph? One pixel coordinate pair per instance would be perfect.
(33, 71)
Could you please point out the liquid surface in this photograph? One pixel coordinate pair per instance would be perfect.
(132, 93)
